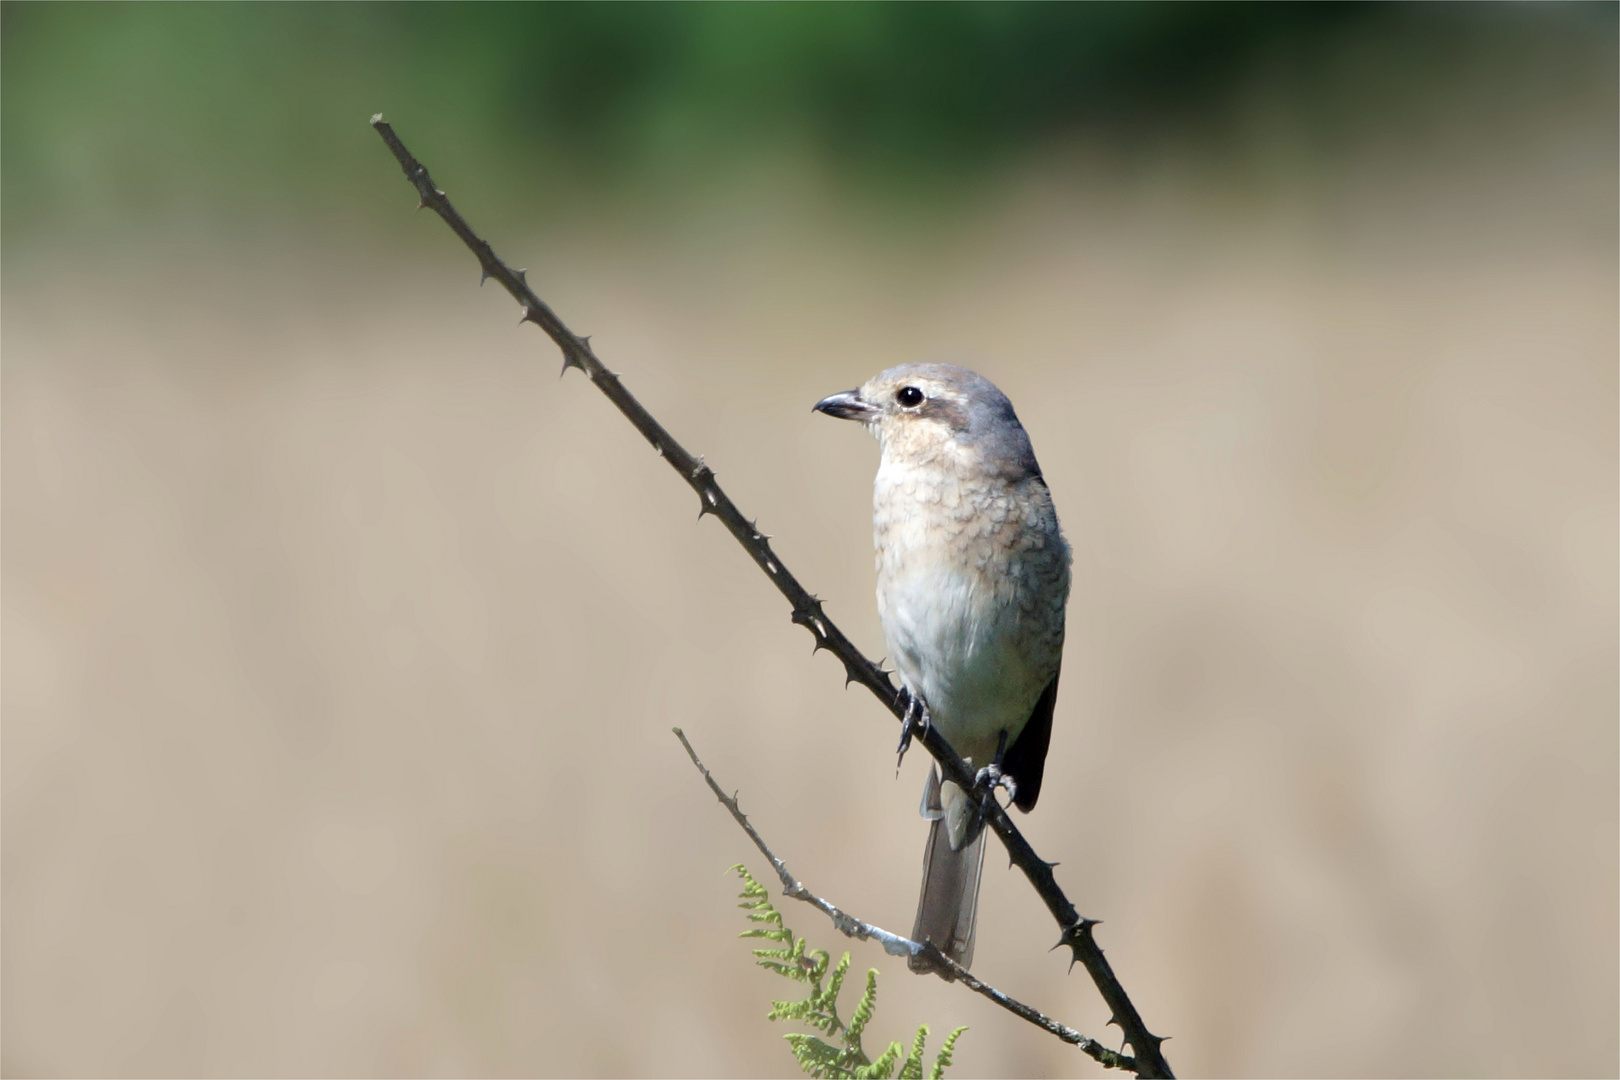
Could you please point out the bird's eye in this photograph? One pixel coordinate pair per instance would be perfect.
(909, 396)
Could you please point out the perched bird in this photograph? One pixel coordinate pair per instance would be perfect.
(972, 583)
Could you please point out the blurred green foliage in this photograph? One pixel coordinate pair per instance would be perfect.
(115, 112)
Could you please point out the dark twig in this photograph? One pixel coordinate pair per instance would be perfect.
(807, 610)
(894, 944)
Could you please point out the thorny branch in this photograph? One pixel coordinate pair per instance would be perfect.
(1076, 932)
(894, 944)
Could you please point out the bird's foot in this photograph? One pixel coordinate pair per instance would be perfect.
(916, 722)
(988, 779)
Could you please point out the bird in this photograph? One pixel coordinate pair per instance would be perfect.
(973, 579)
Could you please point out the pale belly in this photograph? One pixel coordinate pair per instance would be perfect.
(960, 645)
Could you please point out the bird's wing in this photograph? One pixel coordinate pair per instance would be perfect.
(1025, 760)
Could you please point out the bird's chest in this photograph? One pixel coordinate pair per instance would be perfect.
(951, 574)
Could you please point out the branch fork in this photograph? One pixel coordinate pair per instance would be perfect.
(895, 945)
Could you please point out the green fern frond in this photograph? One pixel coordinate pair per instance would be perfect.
(819, 1007)
(943, 1062)
(816, 1057)
(912, 1067)
(882, 1068)
(789, 1010)
(864, 1008)
(828, 999)
(794, 963)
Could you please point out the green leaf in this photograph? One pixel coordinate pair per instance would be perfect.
(818, 1009)
(912, 1068)
(883, 1067)
(864, 1008)
(943, 1062)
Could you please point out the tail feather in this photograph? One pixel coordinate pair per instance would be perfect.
(948, 906)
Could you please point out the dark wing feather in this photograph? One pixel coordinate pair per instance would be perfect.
(1025, 761)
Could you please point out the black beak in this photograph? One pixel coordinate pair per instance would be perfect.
(846, 406)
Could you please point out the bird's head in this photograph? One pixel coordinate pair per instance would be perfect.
(941, 413)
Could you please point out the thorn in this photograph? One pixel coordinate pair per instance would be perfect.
(528, 316)
(483, 276)
(569, 359)
(421, 204)
(522, 275)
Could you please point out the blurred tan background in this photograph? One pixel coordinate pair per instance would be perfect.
(342, 640)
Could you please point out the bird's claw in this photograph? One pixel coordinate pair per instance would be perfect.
(991, 777)
(915, 722)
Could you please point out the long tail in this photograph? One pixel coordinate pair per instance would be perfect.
(949, 903)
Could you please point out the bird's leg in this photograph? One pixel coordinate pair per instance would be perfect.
(916, 722)
(991, 777)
